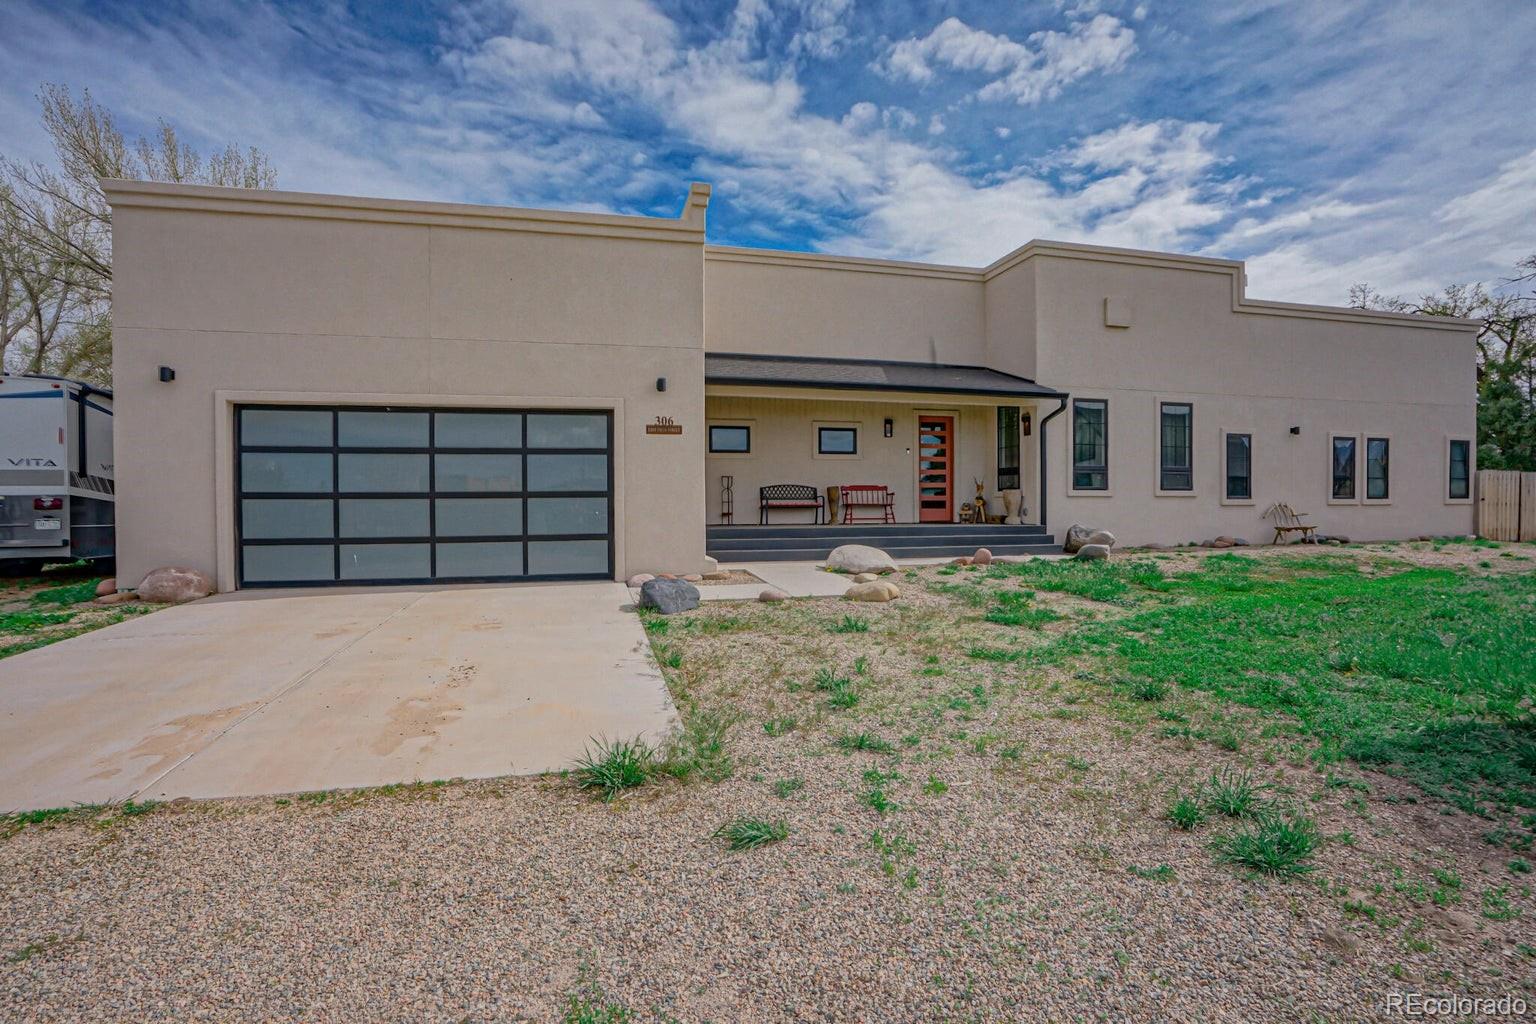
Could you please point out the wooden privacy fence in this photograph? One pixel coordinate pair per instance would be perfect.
(1506, 505)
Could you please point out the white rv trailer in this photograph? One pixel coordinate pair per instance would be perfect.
(56, 483)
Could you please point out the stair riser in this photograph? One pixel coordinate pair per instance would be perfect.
(844, 533)
(819, 554)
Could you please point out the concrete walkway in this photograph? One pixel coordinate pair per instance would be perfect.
(283, 691)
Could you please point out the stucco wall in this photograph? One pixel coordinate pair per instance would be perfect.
(804, 305)
(294, 296)
(1259, 371)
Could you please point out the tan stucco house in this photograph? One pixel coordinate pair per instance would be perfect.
(317, 389)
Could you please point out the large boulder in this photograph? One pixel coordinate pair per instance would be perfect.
(106, 587)
(982, 557)
(772, 595)
(669, 596)
(1077, 536)
(1101, 537)
(1092, 552)
(173, 585)
(857, 558)
(879, 591)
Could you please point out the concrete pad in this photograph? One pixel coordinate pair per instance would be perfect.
(279, 691)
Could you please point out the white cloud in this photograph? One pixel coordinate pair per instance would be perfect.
(1027, 73)
(1002, 132)
(935, 125)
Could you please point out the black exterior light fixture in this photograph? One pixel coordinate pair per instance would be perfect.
(167, 375)
(890, 427)
(661, 383)
(1295, 430)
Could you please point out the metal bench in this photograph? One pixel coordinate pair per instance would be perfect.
(790, 496)
(871, 496)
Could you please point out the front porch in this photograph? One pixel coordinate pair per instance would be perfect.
(945, 459)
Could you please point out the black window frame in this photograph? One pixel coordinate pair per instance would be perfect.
(1385, 462)
(1176, 478)
(821, 435)
(1226, 474)
(1333, 467)
(1466, 469)
(730, 451)
(1008, 453)
(1081, 466)
(335, 495)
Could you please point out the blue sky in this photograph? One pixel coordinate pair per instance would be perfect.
(1325, 142)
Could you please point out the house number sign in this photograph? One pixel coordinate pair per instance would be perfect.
(663, 425)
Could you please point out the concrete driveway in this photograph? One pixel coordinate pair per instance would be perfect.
(285, 691)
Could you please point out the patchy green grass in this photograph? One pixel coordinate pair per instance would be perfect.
(850, 624)
(612, 766)
(1275, 843)
(751, 833)
(1423, 673)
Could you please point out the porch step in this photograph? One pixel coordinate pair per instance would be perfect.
(806, 542)
(838, 532)
(923, 550)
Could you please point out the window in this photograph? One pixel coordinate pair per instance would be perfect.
(1239, 467)
(837, 441)
(1007, 448)
(730, 440)
(1459, 482)
(1090, 444)
(1378, 485)
(1343, 469)
(1176, 447)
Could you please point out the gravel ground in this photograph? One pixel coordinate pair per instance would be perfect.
(1010, 895)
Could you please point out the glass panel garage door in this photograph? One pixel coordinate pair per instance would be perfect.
(363, 495)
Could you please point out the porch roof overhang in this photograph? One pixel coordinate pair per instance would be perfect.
(753, 370)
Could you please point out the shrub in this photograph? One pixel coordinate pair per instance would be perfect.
(864, 741)
(700, 749)
(1149, 690)
(750, 833)
(1272, 844)
(615, 765)
(779, 726)
(851, 624)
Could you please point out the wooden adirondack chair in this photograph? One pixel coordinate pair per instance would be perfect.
(1287, 521)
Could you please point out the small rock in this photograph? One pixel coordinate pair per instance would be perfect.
(1101, 537)
(1092, 553)
(1077, 536)
(669, 596)
(856, 558)
(1154, 547)
(694, 577)
(106, 587)
(880, 591)
(1222, 542)
(982, 557)
(118, 597)
(773, 594)
(666, 576)
(638, 580)
(174, 585)
(1338, 938)
(962, 560)
(865, 577)
(1240, 542)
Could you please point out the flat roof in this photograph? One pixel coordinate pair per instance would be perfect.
(865, 375)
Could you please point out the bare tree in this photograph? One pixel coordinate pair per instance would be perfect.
(56, 229)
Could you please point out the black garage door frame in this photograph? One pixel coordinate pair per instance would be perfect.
(335, 495)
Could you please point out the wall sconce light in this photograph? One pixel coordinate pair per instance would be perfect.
(661, 383)
(1295, 430)
(167, 374)
(1024, 425)
(890, 427)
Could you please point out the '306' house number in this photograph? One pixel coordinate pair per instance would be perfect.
(663, 425)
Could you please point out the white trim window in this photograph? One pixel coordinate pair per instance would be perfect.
(1378, 470)
(1344, 469)
(1458, 470)
(1090, 446)
(1236, 467)
(1176, 448)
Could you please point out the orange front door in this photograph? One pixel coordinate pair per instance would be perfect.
(935, 469)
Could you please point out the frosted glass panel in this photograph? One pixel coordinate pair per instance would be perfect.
(567, 515)
(289, 562)
(280, 519)
(479, 517)
(479, 430)
(482, 559)
(285, 471)
(299, 428)
(385, 561)
(552, 431)
(364, 473)
(567, 557)
(382, 429)
(385, 517)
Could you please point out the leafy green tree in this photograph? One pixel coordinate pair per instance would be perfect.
(1506, 358)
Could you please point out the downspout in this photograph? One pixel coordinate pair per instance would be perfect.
(1044, 487)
